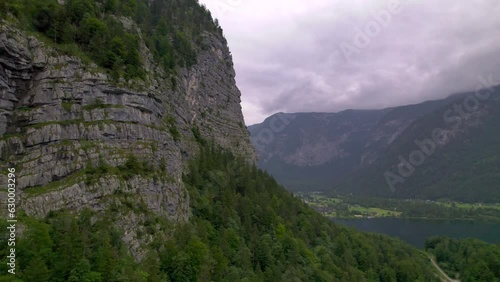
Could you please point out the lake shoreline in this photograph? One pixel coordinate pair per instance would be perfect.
(345, 207)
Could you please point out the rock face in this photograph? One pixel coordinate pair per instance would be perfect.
(63, 121)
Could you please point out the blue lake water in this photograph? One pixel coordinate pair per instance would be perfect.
(415, 231)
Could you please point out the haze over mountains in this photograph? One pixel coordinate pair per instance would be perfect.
(448, 148)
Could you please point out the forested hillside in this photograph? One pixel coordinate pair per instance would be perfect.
(462, 166)
(467, 260)
(442, 149)
(244, 227)
(317, 151)
(104, 32)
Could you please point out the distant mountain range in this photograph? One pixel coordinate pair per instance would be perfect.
(448, 148)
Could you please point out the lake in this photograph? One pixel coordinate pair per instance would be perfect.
(415, 231)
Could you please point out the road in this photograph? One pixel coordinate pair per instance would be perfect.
(448, 279)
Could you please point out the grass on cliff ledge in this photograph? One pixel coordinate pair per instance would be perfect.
(91, 175)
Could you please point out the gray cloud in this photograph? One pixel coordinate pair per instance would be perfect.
(288, 58)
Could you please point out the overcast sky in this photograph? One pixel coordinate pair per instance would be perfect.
(331, 55)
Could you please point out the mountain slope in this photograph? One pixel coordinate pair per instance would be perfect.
(315, 151)
(464, 166)
(244, 227)
(355, 151)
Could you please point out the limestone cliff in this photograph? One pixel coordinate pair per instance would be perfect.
(78, 138)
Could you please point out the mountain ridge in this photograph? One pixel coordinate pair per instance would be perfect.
(448, 97)
(338, 146)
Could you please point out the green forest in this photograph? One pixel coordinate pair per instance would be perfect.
(97, 31)
(469, 259)
(464, 170)
(244, 227)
